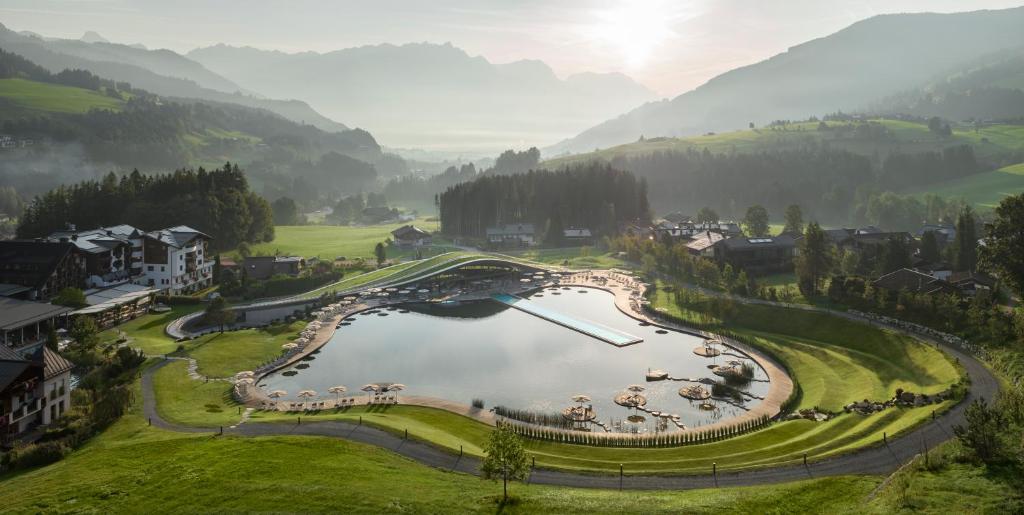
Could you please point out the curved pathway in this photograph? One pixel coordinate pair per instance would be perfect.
(880, 459)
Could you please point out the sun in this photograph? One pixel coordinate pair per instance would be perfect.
(635, 29)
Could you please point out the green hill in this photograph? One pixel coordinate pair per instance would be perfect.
(898, 135)
(21, 97)
(983, 190)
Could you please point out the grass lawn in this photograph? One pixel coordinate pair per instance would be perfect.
(572, 257)
(983, 190)
(135, 468)
(54, 98)
(331, 241)
(226, 354)
(184, 400)
(147, 332)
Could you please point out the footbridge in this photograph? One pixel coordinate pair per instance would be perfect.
(594, 330)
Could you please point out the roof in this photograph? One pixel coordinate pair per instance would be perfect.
(965, 278)
(102, 299)
(510, 230)
(576, 233)
(880, 237)
(409, 232)
(30, 262)
(913, 281)
(10, 290)
(15, 314)
(839, 235)
(178, 236)
(742, 242)
(11, 370)
(704, 240)
(53, 363)
(100, 239)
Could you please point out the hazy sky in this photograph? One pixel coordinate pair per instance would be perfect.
(670, 46)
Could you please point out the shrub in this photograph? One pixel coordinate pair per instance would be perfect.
(478, 403)
(35, 455)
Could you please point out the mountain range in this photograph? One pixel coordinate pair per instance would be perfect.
(162, 72)
(433, 96)
(848, 70)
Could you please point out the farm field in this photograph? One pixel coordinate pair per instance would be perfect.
(983, 190)
(332, 241)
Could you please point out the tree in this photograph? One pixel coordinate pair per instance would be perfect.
(85, 333)
(966, 257)
(244, 250)
(70, 297)
(706, 214)
(930, 247)
(756, 221)
(504, 457)
(815, 259)
(794, 219)
(985, 432)
(51, 339)
(217, 269)
(1003, 251)
(895, 255)
(381, 253)
(219, 313)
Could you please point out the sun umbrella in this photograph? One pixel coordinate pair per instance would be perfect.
(245, 373)
(391, 289)
(580, 398)
(307, 393)
(396, 387)
(289, 346)
(370, 388)
(636, 388)
(524, 280)
(337, 390)
(245, 380)
(423, 290)
(277, 394)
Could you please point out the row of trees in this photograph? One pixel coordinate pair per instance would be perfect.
(217, 202)
(595, 196)
(835, 185)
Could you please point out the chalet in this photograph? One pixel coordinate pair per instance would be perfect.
(176, 260)
(379, 214)
(511, 235)
(38, 270)
(971, 283)
(25, 322)
(703, 244)
(35, 390)
(938, 270)
(410, 236)
(112, 254)
(578, 236)
(913, 281)
(944, 233)
(758, 256)
(265, 267)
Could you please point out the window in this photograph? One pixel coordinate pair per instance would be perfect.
(60, 407)
(150, 268)
(163, 268)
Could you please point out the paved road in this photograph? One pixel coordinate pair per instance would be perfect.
(880, 459)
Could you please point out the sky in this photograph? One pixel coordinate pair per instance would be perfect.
(671, 46)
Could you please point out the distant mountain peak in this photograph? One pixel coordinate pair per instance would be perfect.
(92, 36)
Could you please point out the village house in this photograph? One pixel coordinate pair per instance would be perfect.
(35, 390)
(913, 281)
(38, 269)
(758, 256)
(703, 244)
(265, 267)
(515, 235)
(577, 236)
(410, 236)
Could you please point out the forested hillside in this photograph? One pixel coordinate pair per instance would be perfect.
(217, 202)
(595, 196)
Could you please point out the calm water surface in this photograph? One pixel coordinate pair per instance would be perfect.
(507, 357)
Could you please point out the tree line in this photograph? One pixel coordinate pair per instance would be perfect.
(217, 202)
(829, 183)
(595, 196)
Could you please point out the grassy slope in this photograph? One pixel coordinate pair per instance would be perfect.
(147, 332)
(27, 95)
(983, 190)
(135, 468)
(225, 354)
(910, 137)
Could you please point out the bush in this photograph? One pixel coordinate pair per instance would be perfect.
(35, 455)
(478, 403)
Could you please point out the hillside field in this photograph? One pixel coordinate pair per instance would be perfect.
(983, 190)
(26, 95)
(332, 241)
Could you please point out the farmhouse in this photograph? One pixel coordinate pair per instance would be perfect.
(758, 256)
(112, 254)
(265, 267)
(409, 236)
(176, 260)
(511, 234)
(578, 236)
(702, 244)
